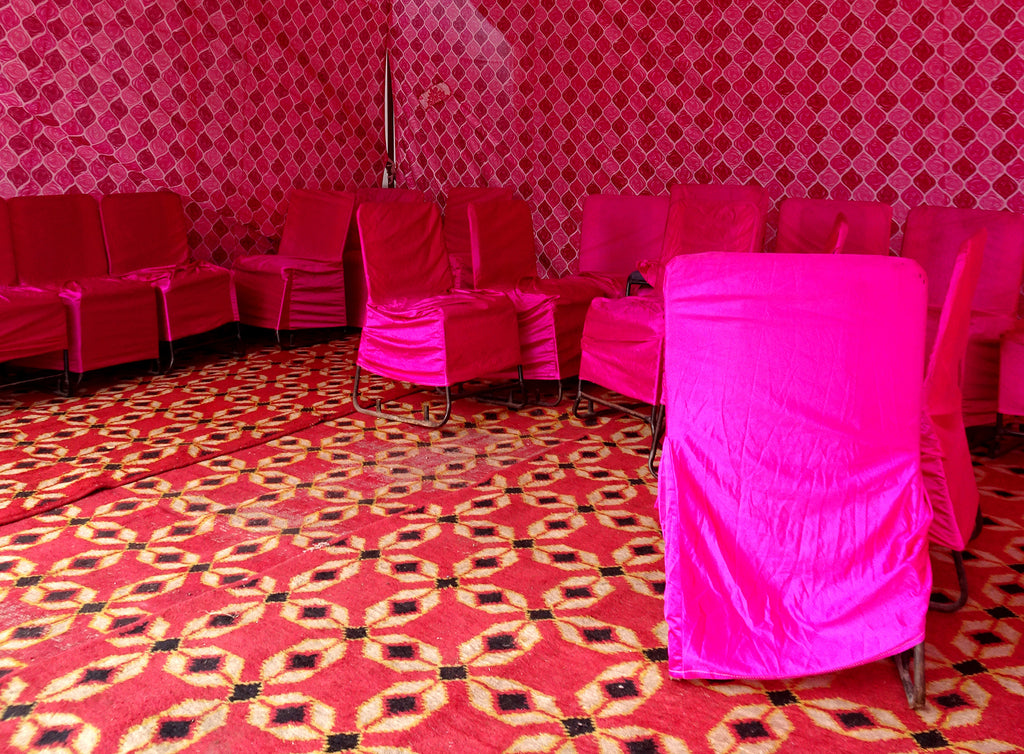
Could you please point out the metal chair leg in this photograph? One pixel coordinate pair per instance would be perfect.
(910, 666)
(657, 431)
(961, 577)
(378, 412)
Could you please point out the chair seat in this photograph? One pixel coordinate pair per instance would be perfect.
(32, 322)
(622, 345)
(443, 339)
(199, 294)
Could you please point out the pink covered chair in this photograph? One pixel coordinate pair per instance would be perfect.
(933, 237)
(623, 339)
(32, 320)
(417, 328)
(147, 240)
(945, 456)
(833, 226)
(456, 228)
(355, 276)
(58, 245)
(790, 491)
(303, 285)
(617, 232)
(550, 311)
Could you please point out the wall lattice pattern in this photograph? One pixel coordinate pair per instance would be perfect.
(232, 103)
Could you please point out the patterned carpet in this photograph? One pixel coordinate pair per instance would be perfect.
(243, 565)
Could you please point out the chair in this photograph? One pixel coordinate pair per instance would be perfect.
(32, 320)
(933, 237)
(810, 225)
(456, 228)
(303, 285)
(417, 329)
(355, 276)
(550, 311)
(617, 232)
(945, 456)
(58, 245)
(146, 237)
(790, 491)
(622, 344)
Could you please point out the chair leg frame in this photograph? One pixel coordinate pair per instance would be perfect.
(378, 411)
(63, 376)
(961, 573)
(655, 420)
(910, 666)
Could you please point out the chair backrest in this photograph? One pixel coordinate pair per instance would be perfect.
(57, 238)
(805, 226)
(934, 236)
(403, 252)
(144, 229)
(316, 225)
(619, 230)
(378, 194)
(8, 272)
(501, 242)
(456, 225)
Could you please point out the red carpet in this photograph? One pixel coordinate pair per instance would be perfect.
(494, 586)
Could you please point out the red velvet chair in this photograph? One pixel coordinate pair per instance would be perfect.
(58, 244)
(303, 285)
(32, 320)
(933, 237)
(945, 456)
(810, 225)
(355, 275)
(147, 240)
(550, 311)
(623, 339)
(617, 232)
(455, 227)
(417, 328)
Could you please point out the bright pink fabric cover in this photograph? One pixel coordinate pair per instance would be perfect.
(456, 228)
(933, 237)
(417, 329)
(945, 457)
(550, 311)
(789, 489)
(147, 240)
(355, 276)
(806, 225)
(619, 230)
(303, 285)
(622, 338)
(31, 319)
(1011, 366)
(58, 244)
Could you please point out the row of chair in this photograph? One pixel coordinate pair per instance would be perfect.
(86, 284)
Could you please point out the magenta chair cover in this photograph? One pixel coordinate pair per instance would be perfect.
(1011, 366)
(790, 490)
(933, 237)
(58, 245)
(550, 311)
(456, 228)
(808, 225)
(147, 240)
(623, 338)
(945, 457)
(303, 285)
(617, 232)
(31, 319)
(417, 329)
(355, 275)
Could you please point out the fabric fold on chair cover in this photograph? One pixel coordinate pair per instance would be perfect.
(790, 489)
(946, 458)
(417, 329)
(807, 226)
(303, 285)
(146, 236)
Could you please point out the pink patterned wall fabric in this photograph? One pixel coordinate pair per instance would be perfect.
(903, 102)
(233, 102)
(230, 103)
